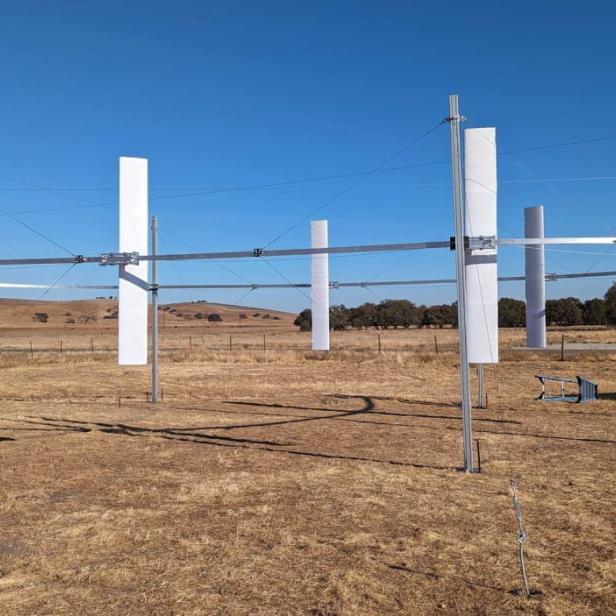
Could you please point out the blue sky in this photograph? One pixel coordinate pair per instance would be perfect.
(222, 95)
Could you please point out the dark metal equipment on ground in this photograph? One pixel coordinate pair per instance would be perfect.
(587, 390)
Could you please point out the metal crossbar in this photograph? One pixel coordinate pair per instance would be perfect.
(551, 277)
(128, 258)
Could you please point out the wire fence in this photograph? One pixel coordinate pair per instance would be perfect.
(376, 343)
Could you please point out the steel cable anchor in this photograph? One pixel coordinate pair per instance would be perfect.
(521, 536)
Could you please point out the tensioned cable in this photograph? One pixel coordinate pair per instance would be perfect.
(271, 265)
(48, 288)
(221, 265)
(206, 190)
(173, 263)
(350, 187)
(558, 145)
(89, 204)
(39, 233)
(54, 191)
(243, 297)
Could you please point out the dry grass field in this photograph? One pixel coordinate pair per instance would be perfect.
(277, 481)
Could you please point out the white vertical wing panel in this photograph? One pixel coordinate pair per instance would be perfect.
(133, 279)
(480, 187)
(320, 287)
(534, 265)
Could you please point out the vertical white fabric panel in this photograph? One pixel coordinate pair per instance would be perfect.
(480, 188)
(133, 279)
(534, 264)
(319, 287)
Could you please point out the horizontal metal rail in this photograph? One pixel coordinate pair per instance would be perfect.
(241, 254)
(550, 277)
(117, 259)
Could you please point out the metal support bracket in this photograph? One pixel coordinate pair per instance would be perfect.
(482, 242)
(334, 284)
(551, 277)
(119, 258)
(257, 252)
(154, 287)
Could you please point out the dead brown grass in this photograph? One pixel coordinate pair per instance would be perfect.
(282, 482)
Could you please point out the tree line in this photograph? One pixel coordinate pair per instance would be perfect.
(404, 314)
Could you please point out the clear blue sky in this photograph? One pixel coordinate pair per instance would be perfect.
(235, 94)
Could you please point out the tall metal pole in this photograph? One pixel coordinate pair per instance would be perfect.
(154, 289)
(456, 165)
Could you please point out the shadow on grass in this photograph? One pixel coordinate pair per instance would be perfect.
(183, 435)
(126, 430)
(371, 409)
(434, 576)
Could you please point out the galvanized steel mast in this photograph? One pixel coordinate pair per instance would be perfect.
(458, 205)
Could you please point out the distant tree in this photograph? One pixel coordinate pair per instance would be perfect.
(396, 313)
(70, 320)
(40, 317)
(511, 312)
(594, 312)
(438, 316)
(610, 305)
(363, 317)
(338, 317)
(304, 320)
(200, 315)
(564, 311)
(214, 317)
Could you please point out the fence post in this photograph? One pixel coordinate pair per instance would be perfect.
(60, 346)
(31, 349)
(562, 348)
(435, 345)
(379, 339)
(264, 347)
(92, 346)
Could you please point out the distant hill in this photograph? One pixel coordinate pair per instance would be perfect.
(19, 313)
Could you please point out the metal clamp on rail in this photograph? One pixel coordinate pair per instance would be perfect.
(80, 259)
(257, 252)
(551, 277)
(154, 287)
(119, 258)
(334, 284)
(481, 242)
